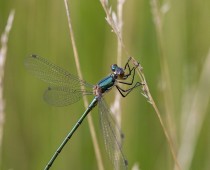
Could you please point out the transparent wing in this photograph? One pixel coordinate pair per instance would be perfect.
(61, 96)
(64, 89)
(112, 136)
(52, 74)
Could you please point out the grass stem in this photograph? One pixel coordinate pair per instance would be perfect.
(90, 121)
(3, 54)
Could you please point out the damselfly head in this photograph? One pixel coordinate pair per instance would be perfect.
(118, 71)
(114, 67)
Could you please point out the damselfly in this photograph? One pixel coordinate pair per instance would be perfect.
(65, 89)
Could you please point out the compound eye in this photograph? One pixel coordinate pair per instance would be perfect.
(114, 67)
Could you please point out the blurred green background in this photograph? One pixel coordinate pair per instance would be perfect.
(33, 129)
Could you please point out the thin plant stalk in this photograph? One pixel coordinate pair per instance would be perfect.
(89, 117)
(116, 107)
(112, 20)
(167, 94)
(195, 117)
(3, 54)
(165, 74)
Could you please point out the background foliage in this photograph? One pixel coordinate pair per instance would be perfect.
(33, 129)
